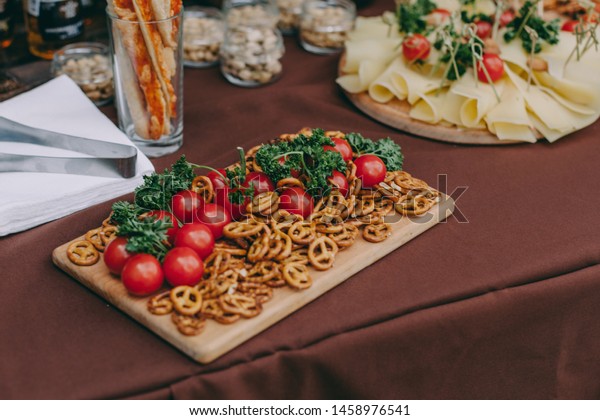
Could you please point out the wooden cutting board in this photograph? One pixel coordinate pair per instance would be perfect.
(218, 339)
(396, 114)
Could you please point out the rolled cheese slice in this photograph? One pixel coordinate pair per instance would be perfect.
(480, 99)
(508, 120)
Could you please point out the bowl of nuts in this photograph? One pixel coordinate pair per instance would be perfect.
(203, 30)
(325, 24)
(251, 56)
(88, 64)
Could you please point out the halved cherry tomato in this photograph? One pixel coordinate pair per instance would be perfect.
(484, 29)
(142, 275)
(494, 66)
(183, 267)
(342, 146)
(294, 172)
(196, 236)
(569, 25)
(215, 217)
(339, 180)
(185, 204)
(439, 16)
(296, 201)
(260, 181)
(235, 210)
(217, 180)
(506, 17)
(116, 255)
(169, 217)
(370, 169)
(416, 47)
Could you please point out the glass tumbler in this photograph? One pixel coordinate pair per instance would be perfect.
(148, 77)
(325, 24)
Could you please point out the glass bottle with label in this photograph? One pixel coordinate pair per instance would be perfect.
(7, 22)
(52, 24)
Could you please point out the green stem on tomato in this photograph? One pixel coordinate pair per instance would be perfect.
(210, 168)
(242, 163)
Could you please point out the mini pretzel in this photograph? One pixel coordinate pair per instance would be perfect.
(186, 300)
(203, 186)
(230, 249)
(264, 203)
(280, 246)
(296, 275)
(350, 171)
(354, 186)
(108, 221)
(377, 233)
(321, 253)
(275, 283)
(286, 183)
(336, 133)
(371, 218)
(258, 249)
(252, 151)
(83, 253)
(188, 324)
(211, 309)
(239, 304)
(217, 262)
(261, 292)
(346, 236)
(388, 191)
(107, 234)
(384, 206)
(364, 206)
(300, 256)
(302, 232)
(93, 236)
(160, 304)
(414, 206)
(261, 272)
(243, 229)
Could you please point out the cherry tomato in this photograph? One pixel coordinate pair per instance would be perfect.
(169, 217)
(215, 217)
(439, 16)
(196, 236)
(494, 66)
(115, 255)
(339, 180)
(296, 201)
(416, 47)
(142, 275)
(569, 25)
(294, 172)
(592, 17)
(261, 182)
(183, 267)
(342, 147)
(484, 29)
(235, 210)
(370, 169)
(185, 204)
(506, 17)
(217, 180)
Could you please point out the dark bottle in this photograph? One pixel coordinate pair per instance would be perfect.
(52, 24)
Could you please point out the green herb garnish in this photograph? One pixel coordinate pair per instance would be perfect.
(147, 236)
(410, 16)
(386, 149)
(546, 31)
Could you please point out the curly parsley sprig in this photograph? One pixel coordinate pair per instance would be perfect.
(410, 16)
(146, 236)
(546, 31)
(386, 149)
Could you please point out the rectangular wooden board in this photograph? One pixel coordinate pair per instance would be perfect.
(218, 339)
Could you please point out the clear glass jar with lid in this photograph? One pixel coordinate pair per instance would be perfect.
(251, 55)
(325, 25)
(250, 13)
(203, 32)
(290, 12)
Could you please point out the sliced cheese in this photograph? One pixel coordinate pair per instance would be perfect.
(508, 120)
(369, 49)
(368, 71)
(411, 83)
(480, 99)
(429, 107)
(451, 107)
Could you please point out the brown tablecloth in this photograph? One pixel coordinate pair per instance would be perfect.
(504, 306)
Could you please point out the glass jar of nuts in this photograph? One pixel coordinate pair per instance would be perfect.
(89, 65)
(251, 56)
(325, 24)
(290, 12)
(250, 13)
(203, 31)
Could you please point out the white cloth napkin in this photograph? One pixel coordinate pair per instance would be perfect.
(28, 199)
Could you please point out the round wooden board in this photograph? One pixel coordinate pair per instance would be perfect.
(396, 114)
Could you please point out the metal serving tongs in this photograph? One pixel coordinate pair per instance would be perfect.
(106, 159)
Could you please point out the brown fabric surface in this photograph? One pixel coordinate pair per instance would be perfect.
(505, 306)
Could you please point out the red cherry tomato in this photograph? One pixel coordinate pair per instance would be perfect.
(296, 201)
(370, 169)
(235, 210)
(439, 16)
(342, 147)
(169, 217)
(260, 181)
(339, 180)
(294, 172)
(196, 236)
(506, 17)
(185, 204)
(484, 29)
(569, 25)
(183, 267)
(142, 275)
(115, 255)
(217, 180)
(494, 66)
(215, 217)
(416, 47)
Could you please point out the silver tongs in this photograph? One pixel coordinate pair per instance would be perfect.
(106, 159)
